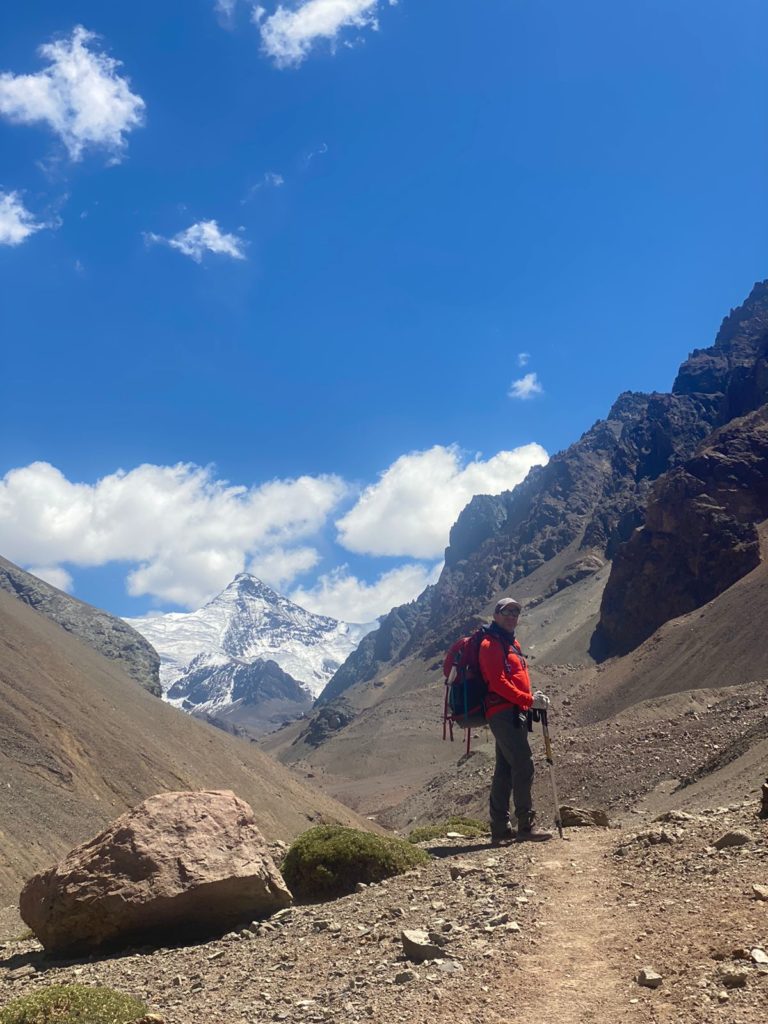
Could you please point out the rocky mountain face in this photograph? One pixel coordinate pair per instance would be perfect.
(106, 634)
(590, 499)
(250, 656)
(700, 531)
(700, 535)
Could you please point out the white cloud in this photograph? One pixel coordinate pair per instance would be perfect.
(16, 222)
(80, 96)
(409, 511)
(203, 237)
(54, 575)
(280, 565)
(225, 8)
(523, 358)
(288, 35)
(189, 532)
(345, 597)
(526, 387)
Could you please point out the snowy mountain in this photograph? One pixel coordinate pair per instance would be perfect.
(249, 656)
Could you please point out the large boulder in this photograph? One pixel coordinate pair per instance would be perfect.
(178, 864)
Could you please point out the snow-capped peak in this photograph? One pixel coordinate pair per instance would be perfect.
(247, 621)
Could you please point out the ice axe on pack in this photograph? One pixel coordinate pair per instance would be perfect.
(541, 715)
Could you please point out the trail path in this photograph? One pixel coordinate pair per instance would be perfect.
(580, 969)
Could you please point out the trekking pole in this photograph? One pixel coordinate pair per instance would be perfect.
(551, 763)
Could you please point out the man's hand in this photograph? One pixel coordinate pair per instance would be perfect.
(541, 701)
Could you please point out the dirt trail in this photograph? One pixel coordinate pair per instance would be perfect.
(580, 969)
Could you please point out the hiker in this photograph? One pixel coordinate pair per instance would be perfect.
(510, 697)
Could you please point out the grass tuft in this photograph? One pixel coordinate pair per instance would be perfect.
(330, 860)
(469, 827)
(73, 1004)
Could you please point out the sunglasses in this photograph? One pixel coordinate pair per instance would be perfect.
(509, 611)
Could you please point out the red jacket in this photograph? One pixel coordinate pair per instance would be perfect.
(505, 671)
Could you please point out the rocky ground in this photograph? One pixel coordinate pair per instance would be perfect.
(555, 931)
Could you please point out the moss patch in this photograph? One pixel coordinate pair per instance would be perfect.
(73, 1004)
(330, 860)
(469, 827)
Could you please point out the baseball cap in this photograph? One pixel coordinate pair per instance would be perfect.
(505, 602)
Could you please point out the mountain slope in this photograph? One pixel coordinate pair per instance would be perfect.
(80, 743)
(105, 633)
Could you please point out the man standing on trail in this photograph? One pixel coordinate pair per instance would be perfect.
(510, 697)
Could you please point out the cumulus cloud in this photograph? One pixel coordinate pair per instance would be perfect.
(410, 509)
(203, 237)
(189, 532)
(527, 387)
(225, 8)
(523, 358)
(288, 35)
(54, 575)
(79, 95)
(344, 596)
(280, 565)
(16, 222)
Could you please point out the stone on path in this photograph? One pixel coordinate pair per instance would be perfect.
(462, 868)
(733, 838)
(649, 978)
(759, 956)
(760, 892)
(734, 977)
(582, 817)
(402, 977)
(418, 946)
(177, 863)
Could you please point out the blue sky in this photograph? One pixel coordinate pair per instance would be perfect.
(270, 274)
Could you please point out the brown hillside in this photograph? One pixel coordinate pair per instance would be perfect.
(719, 645)
(80, 743)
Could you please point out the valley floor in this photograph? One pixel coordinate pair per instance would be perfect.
(555, 931)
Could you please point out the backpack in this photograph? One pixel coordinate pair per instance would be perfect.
(465, 688)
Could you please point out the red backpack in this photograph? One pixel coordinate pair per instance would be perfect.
(465, 688)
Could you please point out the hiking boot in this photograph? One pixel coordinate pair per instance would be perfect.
(528, 831)
(507, 835)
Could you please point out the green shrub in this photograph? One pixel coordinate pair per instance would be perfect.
(469, 827)
(330, 860)
(73, 1004)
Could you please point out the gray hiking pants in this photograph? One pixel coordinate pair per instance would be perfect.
(513, 776)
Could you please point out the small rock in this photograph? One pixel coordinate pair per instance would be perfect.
(722, 996)
(360, 887)
(760, 892)
(27, 971)
(417, 946)
(759, 956)
(500, 919)
(579, 817)
(217, 955)
(449, 966)
(675, 816)
(402, 977)
(150, 1018)
(463, 868)
(649, 978)
(733, 838)
(734, 977)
